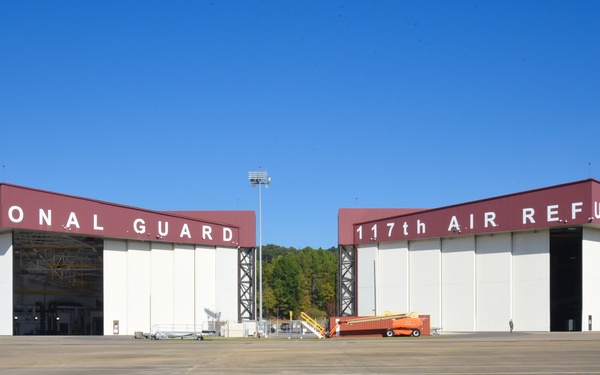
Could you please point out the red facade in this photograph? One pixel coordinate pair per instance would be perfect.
(38, 210)
(575, 203)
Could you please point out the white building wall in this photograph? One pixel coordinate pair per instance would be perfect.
(115, 285)
(531, 281)
(183, 284)
(591, 278)
(151, 283)
(365, 274)
(205, 284)
(6, 284)
(138, 287)
(458, 284)
(392, 278)
(227, 284)
(494, 292)
(474, 283)
(161, 284)
(425, 279)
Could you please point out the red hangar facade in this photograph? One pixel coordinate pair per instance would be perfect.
(530, 258)
(72, 265)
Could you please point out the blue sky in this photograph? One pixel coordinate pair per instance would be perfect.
(167, 105)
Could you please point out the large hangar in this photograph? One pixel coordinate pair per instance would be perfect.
(532, 258)
(72, 265)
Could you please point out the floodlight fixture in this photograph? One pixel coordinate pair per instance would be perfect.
(259, 178)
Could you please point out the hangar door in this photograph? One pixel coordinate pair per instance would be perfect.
(58, 284)
(566, 298)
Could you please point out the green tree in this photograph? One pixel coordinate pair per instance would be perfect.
(270, 252)
(269, 298)
(299, 280)
(320, 270)
(286, 283)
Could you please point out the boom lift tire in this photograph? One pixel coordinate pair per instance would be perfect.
(389, 333)
(416, 333)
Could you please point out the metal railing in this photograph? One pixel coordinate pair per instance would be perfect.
(313, 325)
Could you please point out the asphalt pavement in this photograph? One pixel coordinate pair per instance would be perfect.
(450, 353)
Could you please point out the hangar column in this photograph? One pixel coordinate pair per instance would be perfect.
(246, 305)
(347, 280)
(6, 284)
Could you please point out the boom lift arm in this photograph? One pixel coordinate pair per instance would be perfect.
(403, 324)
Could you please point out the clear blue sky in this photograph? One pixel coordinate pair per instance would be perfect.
(167, 105)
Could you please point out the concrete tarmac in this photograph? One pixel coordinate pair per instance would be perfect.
(480, 353)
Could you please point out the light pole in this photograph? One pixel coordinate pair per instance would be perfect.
(259, 178)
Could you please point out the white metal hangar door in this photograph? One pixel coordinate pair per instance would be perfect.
(471, 283)
(149, 284)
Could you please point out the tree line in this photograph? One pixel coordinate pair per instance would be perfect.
(299, 280)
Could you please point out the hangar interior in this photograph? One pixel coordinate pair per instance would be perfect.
(58, 284)
(566, 299)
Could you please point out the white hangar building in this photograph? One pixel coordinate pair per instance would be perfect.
(533, 257)
(71, 265)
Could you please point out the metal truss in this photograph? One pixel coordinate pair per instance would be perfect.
(69, 261)
(347, 280)
(246, 283)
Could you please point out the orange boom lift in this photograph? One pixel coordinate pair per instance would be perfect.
(402, 324)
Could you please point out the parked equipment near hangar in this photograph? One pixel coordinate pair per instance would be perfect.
(389, 325)
(173, 331)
